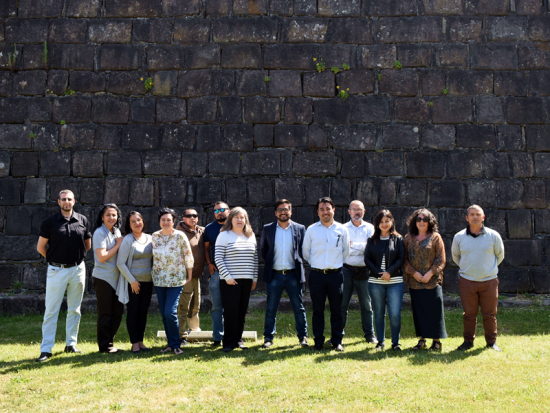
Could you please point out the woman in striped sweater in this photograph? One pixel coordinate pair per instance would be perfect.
(237, 262)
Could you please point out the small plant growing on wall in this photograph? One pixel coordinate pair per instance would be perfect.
(379, 77)
(69, 92)
(345, 66)
(445, 91)
(335, 69)
(62, 122)
(343, 94)
(321, 66)
(45, 55)
(266, 79)
(148, 83)
(397, 64)
(12, 58)
(32, 135)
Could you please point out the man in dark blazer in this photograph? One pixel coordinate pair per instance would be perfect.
(281, 249)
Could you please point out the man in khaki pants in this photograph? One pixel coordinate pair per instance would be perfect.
(190, 299)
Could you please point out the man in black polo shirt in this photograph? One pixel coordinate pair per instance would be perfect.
(67, 239)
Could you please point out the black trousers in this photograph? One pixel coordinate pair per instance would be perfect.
(109, 314)
(235, 305)
(321, 287)
(137, 307)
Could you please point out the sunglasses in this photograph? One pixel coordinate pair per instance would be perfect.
(280, 210)
(167, 211)
(191, 216)
(217, 211)
(418, 219)
(65, 199)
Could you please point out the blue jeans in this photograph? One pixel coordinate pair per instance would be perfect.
(362, 288)
(275, 288)
(392, 294)
(217, 309)
(168, 298)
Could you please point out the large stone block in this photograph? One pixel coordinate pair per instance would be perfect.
(298, 110)
(193, 164)
(202, 57)
(229, 109)
(152, 30)
(263, 135)
(357, 81)
(74, 56)
(260, 192)
(202, 109)
(441, 7)
(412, 109)
(539, 29)
(10, 191)
(180, 7)
(519, 223)
(165, 83)
(143, 110)
(533, 56)
(170, 110)
(509, 194)
(542, 221)
(283, 8)
(30, 82)
(494, 56)
(489, 109)
(4, 164)
(465, 165)
(412, 192)
(370, 109)
(336, 54)
(482, 192)
(408, 30)
(539, 82)
(447, 194)
(292, 136)
(15, 137)
(507, 28)
(209, 138)
(107, 109)
(349, 30)
(285, 83)
(390, 8)
(452, 110)
(315, 189)
(305, 7)
(133, 8)
(161, 163)
(484, 7)
(535, 194)
(340, 192)
(224, 163)
(18, 221)
(55, 163)
(165, 57)
(87, 82)
(235, 30)
(251, 82)
(191, 31)
(126, 83)
(319, 84)
(452, 56)
(291, 189)
(524, 110)
(209, 191)
(24, 164)
(290, 56)
(18, 248)
(385, 163)
(238, 138)
(542, 165)
(415, 55)
(537, 137)
(529, 8)
(9, 275)
(19, 31)
(378, 56)
(72, 109)
(35, 191)
(261, 163)
(475, 136)
(91, 191)
(77, 136)
(223, 82)
(120, 57)
(470, 82)
(304, 30)
(140, 137)
(339, 7)
(262, 110)
(123, 163)
(400, 136)
(46, 137)
(58, 81)
(496, 165)
(88, 164)
(110, 31)
(12, 110)
(315, 164)
(425, 165)
(142, 192)
(5, 83)
(331, 111)
(352, 137)
(399, 82)
(353, 165)
(39, 110)
(317, 137)
(173, 191)
(82, 8)
(195, 83)
(523, 166)
(510, 137)
(510, 83)
(178, 137)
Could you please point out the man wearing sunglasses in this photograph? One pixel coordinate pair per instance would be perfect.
(64, 241)
(211, 232)
(281, 248)
(190, 298)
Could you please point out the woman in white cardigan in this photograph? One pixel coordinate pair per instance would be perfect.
(135, 262)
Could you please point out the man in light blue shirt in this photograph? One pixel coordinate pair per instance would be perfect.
(281, 248)
(356, 274)
(326, 246)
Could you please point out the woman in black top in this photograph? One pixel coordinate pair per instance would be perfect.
(384, 256)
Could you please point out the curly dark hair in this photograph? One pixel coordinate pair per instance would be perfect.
(99, 219)
(432, 225)
(127, 228)
(377, 231)
(165, 211)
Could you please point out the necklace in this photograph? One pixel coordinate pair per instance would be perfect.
(140, 238)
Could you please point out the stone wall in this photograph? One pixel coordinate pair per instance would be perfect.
(449, 105)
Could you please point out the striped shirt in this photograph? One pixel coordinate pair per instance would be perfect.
(393, 280)
(236, 256)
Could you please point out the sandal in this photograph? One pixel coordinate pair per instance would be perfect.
(436, 346)
(421, 345)
(178, 351)
(166, 350)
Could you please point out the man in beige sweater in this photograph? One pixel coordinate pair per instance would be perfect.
(190, 299)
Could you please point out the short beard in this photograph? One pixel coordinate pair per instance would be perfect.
(357, 219)
(222, 219)
(284, 219)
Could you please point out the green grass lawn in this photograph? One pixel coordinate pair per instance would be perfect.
(284, 378)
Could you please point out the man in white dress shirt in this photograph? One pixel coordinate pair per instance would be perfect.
(356, 274)
(326, 246)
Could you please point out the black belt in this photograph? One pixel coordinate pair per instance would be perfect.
(55, 264)
(328, 270)
(354, 268)
(285, 272)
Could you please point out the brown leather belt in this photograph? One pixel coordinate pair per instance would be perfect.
(284, 272)
(55, 264)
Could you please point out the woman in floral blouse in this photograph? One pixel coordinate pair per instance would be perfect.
(172, 268)
(423, 267)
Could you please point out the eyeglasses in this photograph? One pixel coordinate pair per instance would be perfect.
(418, 219)
(281, 210)
(66, 199)
(217, 211)
(191, 216)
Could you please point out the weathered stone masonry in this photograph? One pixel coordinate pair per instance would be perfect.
(239, 112)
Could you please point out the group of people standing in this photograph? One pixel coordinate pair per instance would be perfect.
(374, 260)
